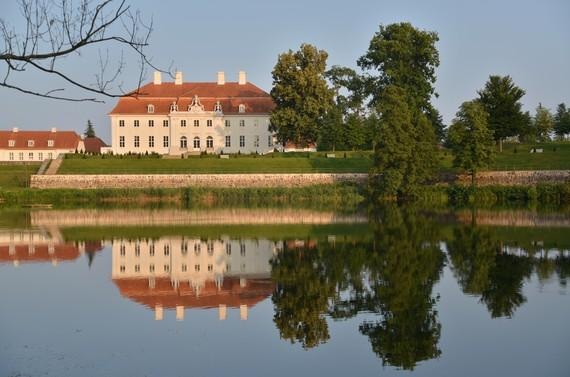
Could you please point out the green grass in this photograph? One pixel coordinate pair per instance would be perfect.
(279, 163)
(16, 176)
(556, 156)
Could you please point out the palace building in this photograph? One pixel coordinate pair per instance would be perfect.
(35, 146)
(179, 118)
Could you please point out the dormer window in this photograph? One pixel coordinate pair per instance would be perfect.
(150, 109)
(50, 143)
(11, 143)
(218, 107)
(30, 143)
(242, 108)
(174, 107)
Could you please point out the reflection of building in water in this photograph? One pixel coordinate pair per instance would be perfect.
(178, 273)
(36, 245)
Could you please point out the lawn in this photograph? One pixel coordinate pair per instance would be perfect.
(555, 156)
(357, 163)
(16, 176)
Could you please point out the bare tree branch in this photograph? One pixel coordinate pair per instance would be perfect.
(58, 29)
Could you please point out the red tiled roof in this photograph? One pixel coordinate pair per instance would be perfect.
(164, 294)
(93, 144)
(61, 252)
(61, 139)
(230, 95)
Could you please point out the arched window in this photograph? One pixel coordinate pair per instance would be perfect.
(183, 142)
(242, 108)
(150, 109)
(196, 142)
(209, 142)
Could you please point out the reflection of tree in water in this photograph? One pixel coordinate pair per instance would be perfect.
(392, 276)
(481, 268)
(405, 264)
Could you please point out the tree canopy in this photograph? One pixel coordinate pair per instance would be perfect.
(562, 121)
(89, 130)
(470, 139)
(301, 94)
(501, 99)
(543, 123)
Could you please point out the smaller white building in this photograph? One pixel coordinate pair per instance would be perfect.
(36, 146)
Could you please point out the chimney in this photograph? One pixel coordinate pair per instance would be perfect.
(53, 130)
(178, 78)
(242, 78)
(221, 78)
(157, 78)
(15, 129)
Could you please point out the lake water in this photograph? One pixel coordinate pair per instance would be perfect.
(284, 292)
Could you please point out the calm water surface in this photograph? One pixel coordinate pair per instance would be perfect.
(284, 292)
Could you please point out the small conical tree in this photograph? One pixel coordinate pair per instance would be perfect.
(471, 139)
(90, 130)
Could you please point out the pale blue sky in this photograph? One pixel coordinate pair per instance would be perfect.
(529, 40)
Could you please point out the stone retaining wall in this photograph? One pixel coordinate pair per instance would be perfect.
(517, 178)
(190, 180)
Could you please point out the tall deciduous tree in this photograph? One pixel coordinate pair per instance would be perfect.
(543, 123)
(401, 61)
(470, 139)
(89, 130)
(301, 94)
(501, 99)
(562, 121)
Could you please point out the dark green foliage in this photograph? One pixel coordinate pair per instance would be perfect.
(543, 123)
(90, 130)
(301, 94)
(501, 99)
(562, 121)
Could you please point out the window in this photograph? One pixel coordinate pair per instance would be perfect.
(256, 142)
(151, 123)
(151, 268)
(256, 123)
(210, 268)
(183, 123)
(165, 141)
(166, 250)
(165, 123)
(183, 142)
(197, 248)
(209, 123)
(137, 141)
(150, 109)
(137, 123)
(229, 248)
(40, 156)
(11, 143)
(209, 142)
(21, 156)
(196, 123)
(184, 248)
(11, 156)
(242, 123)
(137, 250)
(121, 141)
(242, 141)
(210, 248)
(121, 123)
(228, 267)
(50, 155)
(242, 249)
(228, 123)
(228, 141)
(137, 267)
(122, 250)
(151, 249)
(197, 268)
(31, 156)
(166, 268)
(184, 268)
(30, 143)
(151, 141)
(50, 143)
(241, 108)
(173, 107)
(122, 268)
(196, 142)
(270, 140)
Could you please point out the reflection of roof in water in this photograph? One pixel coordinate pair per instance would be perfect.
(164, 294)
(41, 252)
